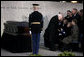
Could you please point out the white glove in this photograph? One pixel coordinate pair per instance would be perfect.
(30, 32)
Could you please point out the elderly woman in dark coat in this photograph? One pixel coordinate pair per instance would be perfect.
(53, 34)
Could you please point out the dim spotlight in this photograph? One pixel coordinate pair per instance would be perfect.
(74, 1)
(63, 1)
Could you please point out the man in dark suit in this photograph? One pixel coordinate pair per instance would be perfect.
(69, 16)
(76, 16)
(36, 25)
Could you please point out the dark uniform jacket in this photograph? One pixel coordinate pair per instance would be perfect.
(36, 17)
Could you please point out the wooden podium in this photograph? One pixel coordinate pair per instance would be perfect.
(16, 37)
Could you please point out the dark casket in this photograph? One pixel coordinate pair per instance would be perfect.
(16, 37)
